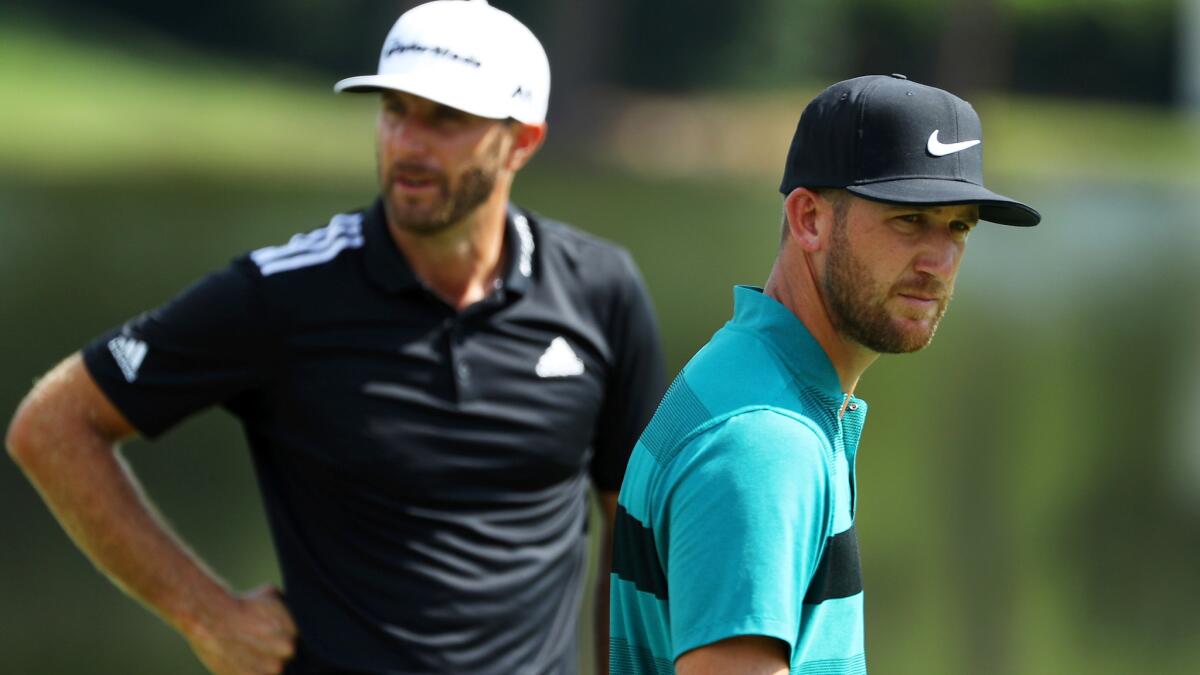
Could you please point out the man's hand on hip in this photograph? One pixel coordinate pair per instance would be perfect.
(65, 436)
(254, 635)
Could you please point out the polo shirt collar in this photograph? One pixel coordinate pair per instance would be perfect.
(387, 266)
(783, 332)
(520, 245)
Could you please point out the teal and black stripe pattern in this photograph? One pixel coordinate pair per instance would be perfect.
(635, 558)
(736, 513)
(839, 574)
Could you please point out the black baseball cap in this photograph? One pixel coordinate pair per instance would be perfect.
(886, 138)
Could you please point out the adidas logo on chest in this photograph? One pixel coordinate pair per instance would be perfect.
(559, 360)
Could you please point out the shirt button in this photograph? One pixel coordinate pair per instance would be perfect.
(464, 372)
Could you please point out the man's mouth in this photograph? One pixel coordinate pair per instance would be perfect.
(924, 291)
(921, 300)
(416, 179)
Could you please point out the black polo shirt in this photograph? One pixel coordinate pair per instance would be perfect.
(424, 470)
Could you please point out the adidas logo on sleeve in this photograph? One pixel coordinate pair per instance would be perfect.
(129, 353)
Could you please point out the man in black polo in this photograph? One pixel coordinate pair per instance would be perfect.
(428, 387)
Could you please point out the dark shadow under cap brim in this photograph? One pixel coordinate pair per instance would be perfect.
(994, 208)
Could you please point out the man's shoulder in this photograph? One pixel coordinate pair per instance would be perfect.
(697, 416)
(761, 428)
(736, 369)
(310, 251)
(564, 240)
(734, 385)
(763, 448)
(309, 270)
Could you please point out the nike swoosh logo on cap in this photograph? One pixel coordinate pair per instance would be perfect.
(939, 149)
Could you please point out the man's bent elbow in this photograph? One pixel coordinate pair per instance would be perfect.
(12, 440)
(24, 430)
(64, 410)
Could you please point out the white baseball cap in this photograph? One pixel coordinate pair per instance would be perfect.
(465, 54)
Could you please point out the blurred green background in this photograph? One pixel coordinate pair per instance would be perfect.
(1030, 484)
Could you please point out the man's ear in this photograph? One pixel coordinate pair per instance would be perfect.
(527, 138)
(808, 216)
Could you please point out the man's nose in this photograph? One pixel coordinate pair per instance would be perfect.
(939, 256)
(408, 136)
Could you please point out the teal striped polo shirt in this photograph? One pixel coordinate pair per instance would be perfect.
(736, 516)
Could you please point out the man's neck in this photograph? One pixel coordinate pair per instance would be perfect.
(800, 291)
(462, 262)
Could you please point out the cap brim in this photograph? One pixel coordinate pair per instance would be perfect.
(425, 87)
(994, 208)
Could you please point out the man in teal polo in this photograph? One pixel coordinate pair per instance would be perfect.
(735, 549)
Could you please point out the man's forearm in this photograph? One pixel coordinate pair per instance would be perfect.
(99, 503)
(64, 437)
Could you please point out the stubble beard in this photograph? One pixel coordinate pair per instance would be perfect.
(858, 308)
(475, 185)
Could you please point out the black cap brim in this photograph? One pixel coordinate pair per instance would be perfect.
(994, 208)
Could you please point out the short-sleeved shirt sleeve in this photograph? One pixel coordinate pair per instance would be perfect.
(745, 524)
(637, 380)
(206, 346)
